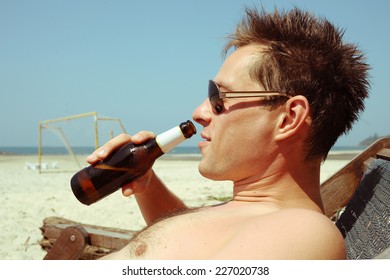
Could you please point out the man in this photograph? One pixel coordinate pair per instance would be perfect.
(281, 99)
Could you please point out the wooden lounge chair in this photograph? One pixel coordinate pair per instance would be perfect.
(365, 222)
(68, 240)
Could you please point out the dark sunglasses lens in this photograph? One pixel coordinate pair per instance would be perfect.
(215, 101)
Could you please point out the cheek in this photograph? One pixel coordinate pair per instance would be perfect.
(241, 149)
(251, 132)
(256, 134)
(247, 151)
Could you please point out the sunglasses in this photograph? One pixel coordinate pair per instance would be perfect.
(216, 96)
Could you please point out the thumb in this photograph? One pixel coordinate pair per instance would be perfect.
(128, 190)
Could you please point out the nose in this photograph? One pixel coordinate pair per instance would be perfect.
(202, 114)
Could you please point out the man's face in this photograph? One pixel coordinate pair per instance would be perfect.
(238, 143)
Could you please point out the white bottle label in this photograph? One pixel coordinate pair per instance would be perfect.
(170, 139)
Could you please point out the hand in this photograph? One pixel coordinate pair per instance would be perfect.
(110, 146)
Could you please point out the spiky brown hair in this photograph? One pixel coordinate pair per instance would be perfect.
(306, 55)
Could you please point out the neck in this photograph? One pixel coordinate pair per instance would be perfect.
(288, 187)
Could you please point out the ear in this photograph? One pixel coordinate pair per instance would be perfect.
(294, 118)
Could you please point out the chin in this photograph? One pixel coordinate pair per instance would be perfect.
(204, 170)
(211, 172)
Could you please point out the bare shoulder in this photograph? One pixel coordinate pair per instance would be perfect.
(286, 234)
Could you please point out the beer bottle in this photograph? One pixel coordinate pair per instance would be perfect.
(125, 164)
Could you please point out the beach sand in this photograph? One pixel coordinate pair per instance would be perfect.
(27, 197)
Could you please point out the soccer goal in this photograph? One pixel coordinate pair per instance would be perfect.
(74, 136)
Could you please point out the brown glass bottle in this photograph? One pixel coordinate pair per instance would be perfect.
(125, 165)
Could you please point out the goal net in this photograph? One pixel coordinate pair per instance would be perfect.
(63, 143)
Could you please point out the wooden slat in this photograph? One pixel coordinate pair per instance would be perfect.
(384, 154)
(62, 221)
(98, 237)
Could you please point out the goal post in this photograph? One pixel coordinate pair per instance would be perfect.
(54, 126)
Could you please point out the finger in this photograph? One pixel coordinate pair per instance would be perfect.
(102, 152)
(142, 136)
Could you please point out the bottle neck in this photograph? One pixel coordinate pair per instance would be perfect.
(170, 139)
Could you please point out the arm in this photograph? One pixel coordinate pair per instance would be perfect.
(153, 197)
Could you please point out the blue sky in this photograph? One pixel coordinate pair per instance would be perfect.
(148, 62)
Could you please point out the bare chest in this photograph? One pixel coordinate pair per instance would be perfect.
(196, 235)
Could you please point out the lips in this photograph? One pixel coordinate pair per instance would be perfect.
(205, 142)
(205, 137)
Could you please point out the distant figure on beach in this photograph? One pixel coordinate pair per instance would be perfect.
(288, 88)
